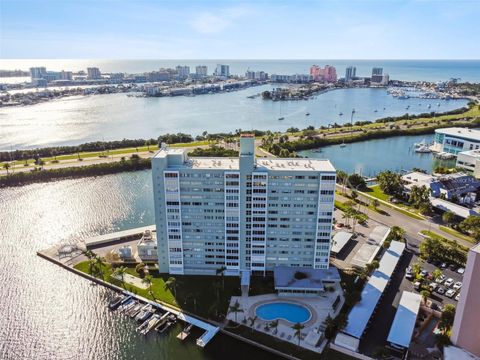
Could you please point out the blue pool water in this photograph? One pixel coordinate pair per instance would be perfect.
(287, 311)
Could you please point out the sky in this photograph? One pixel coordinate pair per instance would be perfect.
(196, 29)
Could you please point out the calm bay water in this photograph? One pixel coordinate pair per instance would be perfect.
(79, 119)
(370, 157)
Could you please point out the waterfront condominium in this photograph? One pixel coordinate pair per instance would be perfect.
(243, 213)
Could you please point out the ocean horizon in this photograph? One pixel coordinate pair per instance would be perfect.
(406, 70)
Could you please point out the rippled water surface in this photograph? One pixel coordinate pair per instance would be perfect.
(79, 119)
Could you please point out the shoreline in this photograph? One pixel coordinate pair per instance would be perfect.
(117, 289)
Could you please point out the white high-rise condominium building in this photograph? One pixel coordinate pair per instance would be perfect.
(93, 73)
(183, 71)
(201, 70)
(38, 72)
(222, 71)
(243, 213)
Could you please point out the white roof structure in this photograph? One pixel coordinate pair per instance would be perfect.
(458, 210)
(405, 318)
(417, 178)
(360, 314)
(295, 164)
(232, 163)
(117, 236)
(340, 239)
(464, 133)
(369, 250)
(347, 341)
(473, 153)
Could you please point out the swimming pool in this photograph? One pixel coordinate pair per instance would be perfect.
(283, 310)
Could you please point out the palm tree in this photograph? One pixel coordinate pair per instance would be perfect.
(99, 263)
(416, 268)
(89, 254)
(221, 271)
(274, 325)
(397, 233)
(436, 274)
(6, 166)
(298, 331)
(121, 271)
(425, 295)
(171, 284)
(235, 308)
(375, 204)
(354, 195)
(148, 280)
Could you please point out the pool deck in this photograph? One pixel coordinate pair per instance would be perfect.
(312, 335)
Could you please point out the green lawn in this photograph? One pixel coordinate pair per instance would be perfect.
(201, 295)
(458, 234)
(376, 192)
(434, 235)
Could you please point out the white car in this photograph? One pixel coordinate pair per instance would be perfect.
(433, 286)
(449, 282)
(461, 270)
(450, 293)
(457, 285)
(457, 297)
(440, 279)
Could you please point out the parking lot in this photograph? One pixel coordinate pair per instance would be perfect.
(436, 297)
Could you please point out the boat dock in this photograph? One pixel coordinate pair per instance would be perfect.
(203, 340)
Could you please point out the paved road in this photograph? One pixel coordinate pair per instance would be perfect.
(412, 226)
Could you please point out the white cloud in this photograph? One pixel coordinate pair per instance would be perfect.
(208, 22)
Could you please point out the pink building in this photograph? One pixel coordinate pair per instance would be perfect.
(316, 72)
(328, 74)
(465, 331)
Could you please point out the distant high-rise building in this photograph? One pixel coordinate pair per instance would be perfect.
(465, 333)
(350, 73)
(66, 75)
(117, 77)
(93, 73)
(156, 76)
(377, 75)
(328, 74)
(201, 70)
(222, 71)
(256, 75)
(183, 71)
(316, 72)
(385, 79)
(37, 73)
(52, 76)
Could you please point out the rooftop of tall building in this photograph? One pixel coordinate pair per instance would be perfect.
(230, 163)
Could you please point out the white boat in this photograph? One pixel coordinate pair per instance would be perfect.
(150, 324)
(423, 149)
(421, 143)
